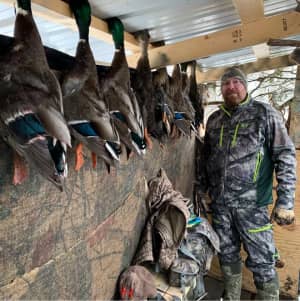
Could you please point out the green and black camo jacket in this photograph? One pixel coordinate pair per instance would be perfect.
(241, 151)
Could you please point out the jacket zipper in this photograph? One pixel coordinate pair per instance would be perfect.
(257, 166)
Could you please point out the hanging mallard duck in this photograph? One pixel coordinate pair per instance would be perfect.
(185, 80)
(164, 110)
(119, 96)
(194, 95)
(31, 104)
(143, 87)
(85, 110)
(182, 116)
(186, 92)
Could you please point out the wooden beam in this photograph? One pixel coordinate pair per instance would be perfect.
(239, 36)
(59, 12)
(281, 42)
(249, 10)
(260, 65)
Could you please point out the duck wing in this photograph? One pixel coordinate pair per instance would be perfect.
(31, 107)
(85, 109)
(25, 133)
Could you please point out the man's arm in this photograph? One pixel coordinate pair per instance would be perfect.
(284, 159)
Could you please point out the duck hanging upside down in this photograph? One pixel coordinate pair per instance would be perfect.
(85, 110)
(119, 95)
(31, 113)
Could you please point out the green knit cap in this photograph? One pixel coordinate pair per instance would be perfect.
(236, 73)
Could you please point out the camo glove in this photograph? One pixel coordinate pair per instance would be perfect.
(284, 216)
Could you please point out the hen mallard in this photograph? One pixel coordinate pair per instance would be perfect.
(185, 80)
(31, 103)
(143, 86)
(85, 110)
(164, 109)
(194, 95)
(188, 83)
(182, 117)
(119, 96)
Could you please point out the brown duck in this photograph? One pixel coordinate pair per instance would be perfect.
(31, 114)
(120, 97)
(143, 86)
(85, 110)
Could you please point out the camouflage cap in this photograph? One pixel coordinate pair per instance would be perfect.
(236, 73)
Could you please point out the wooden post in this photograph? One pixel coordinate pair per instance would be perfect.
(295, 113)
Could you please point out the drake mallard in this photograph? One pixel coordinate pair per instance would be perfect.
(85, 110)
(31, 113)
(143, 86)
(164, 109)
(119, 95)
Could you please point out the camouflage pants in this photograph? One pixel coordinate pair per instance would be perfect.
(250, 227)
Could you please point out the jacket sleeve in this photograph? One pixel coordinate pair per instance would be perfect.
(284, 159)
(202, 156)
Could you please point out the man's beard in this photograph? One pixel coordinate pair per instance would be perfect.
(232, 99)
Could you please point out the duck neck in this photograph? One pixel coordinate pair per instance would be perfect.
(84, 33)
(24, 4)
(83, 22)
(82, 14)
(116, 28)
(118, 37)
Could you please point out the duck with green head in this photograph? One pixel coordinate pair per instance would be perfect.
(119, 95)
(85, 110)
(31, 112)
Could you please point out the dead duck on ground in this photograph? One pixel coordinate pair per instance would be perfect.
(31, 114)
(120, 97)
(85, 109)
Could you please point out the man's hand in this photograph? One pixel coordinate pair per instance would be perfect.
(284, 216)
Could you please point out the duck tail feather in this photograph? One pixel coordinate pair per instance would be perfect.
(38, 155)
(184, 126)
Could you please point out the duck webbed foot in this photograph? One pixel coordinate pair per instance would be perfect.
(174, 132)
(79, 161)
(148, 139)
(129, 153)
(20, 169)
(94, 159)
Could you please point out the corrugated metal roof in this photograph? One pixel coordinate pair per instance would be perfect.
(169, 21)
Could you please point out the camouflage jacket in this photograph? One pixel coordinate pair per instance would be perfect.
(242, 148)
